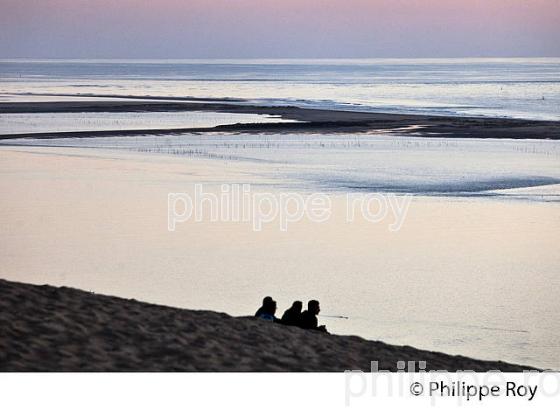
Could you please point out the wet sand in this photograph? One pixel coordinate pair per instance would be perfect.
(45, 328)
(309, 120)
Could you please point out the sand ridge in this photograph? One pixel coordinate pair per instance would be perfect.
(308, 120)
(45, 328)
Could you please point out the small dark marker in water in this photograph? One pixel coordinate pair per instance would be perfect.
(335, 316)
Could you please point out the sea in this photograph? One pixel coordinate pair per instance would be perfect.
(493, 87)
(473, 271)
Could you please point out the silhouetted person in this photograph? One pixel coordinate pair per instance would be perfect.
(265, 301)
(292, 316)
(268, 310)
(308, 319)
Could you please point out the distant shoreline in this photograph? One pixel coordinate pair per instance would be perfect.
(308, 120)
(45, 328)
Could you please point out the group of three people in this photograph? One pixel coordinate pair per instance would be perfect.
(294, 315)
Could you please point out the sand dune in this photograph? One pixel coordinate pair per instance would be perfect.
(308, 120)
(45, 328)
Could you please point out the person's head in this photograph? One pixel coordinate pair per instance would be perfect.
(297, 306)
(269, 306)
(313, 307)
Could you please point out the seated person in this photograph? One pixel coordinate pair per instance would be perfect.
(292, 316)
(308, 319)
(266, 300)
(268, 311)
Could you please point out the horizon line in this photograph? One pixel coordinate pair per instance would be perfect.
(8, 59)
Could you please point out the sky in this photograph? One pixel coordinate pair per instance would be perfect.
(278, 28)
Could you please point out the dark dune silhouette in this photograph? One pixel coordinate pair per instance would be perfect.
(45, 328)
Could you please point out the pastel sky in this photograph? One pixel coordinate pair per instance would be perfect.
(278, 28)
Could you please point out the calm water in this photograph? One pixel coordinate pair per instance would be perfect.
(471, 276)
(473, 271)
(522, 88)
(99, 121)
(483, 168)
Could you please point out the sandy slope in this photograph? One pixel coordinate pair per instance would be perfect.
(60, 329)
